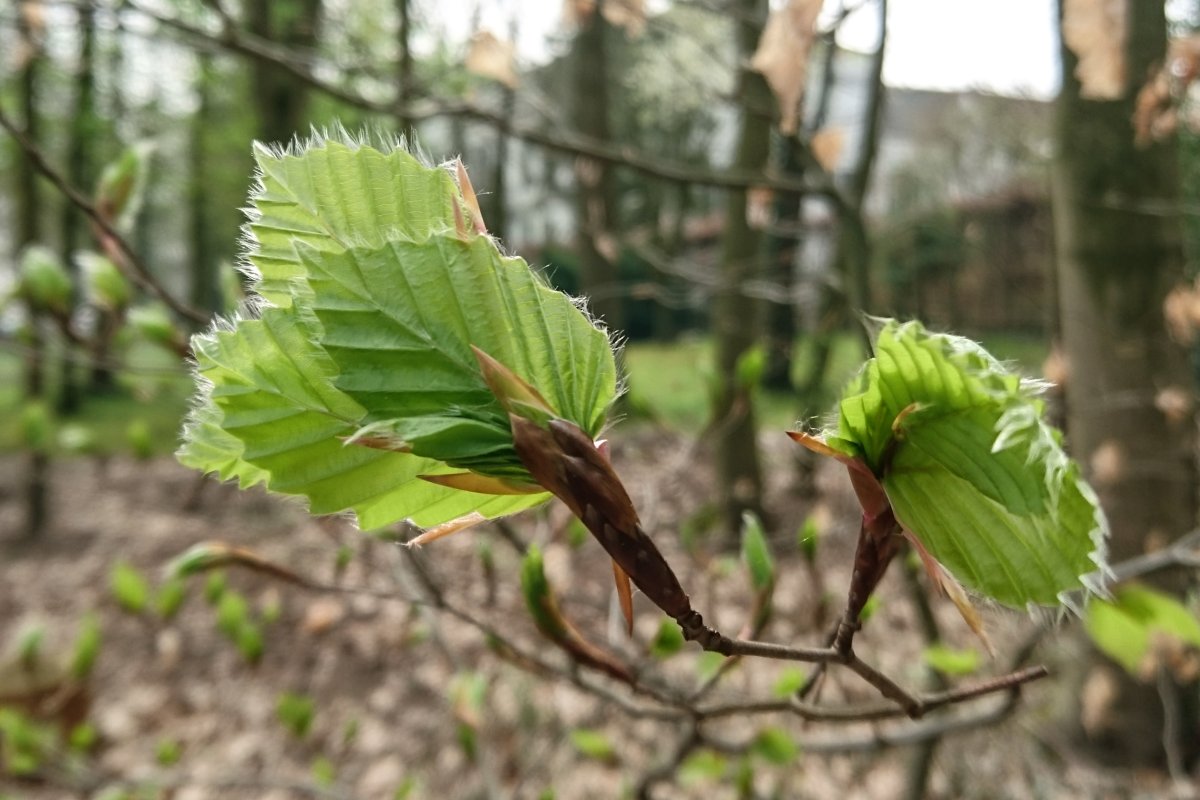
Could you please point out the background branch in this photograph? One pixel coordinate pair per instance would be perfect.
(130, 264)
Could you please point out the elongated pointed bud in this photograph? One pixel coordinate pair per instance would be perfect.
(482, 484)
(447, 528)
(215, 555)
(624, 595)
(756, 553)
(544, 608)
(515, 394)
(468, 193)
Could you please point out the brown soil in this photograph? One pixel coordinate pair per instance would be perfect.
(383, 673)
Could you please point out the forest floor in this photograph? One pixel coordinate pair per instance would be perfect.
(409, 701)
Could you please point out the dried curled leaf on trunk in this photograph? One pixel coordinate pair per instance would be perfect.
(1096, 32)
(782, 56)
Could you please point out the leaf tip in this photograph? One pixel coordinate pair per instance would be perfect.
(515, 394)
(468, 194)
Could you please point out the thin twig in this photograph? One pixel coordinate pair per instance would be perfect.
(132, 265)
(93, 780)
(1172, 726)
(910, 733)
(913, 706)
(689, 740)
(1183, 552)
(567, 142)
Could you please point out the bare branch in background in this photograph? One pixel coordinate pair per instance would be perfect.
(565, 142)
(130, 263)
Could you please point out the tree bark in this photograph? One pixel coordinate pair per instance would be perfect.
(734, 314)
(1116, 262)
(84, 131)
(28, 232)
(595, 191)
(204, 290)
(282, 101)
(404, 68)
(852, 259)
(495, 202)
(782, 248)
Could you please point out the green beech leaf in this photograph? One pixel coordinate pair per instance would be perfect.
(776, 746)
(790, 681)
(970, 468)
(122, 186)
(129, 587)
(593, 744)
(296, 712)
(950, 661)
(106, 286)
(668, 641)
(359, 375)
(399, 322)
(757, 553)
(1126, 627)
(333, 194)
(43, 280)
(702, 766)
(86, 648)
(707, 664)
(539, 598)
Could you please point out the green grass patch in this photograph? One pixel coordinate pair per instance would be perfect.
(1026, 351)
(672, 382)
(153, 393)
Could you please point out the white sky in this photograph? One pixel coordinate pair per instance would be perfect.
(1004, 46)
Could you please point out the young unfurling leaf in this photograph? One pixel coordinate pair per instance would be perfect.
(969, 468)
(356, 383)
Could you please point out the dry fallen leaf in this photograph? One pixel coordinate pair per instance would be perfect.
(323, 614)
(1157, 113)
(447, 528)
(826, 145)
(1181, 308)
(1056, 368)
(627, 14)
(1100, 692)
(33, 17)
(1108, 463)
(1176, 403)
(1096, 31)
(760, 203)
(491, 57)
(782, 56)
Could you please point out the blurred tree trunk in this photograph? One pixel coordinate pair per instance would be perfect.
(404, 67)
(669, 239)
(784, 245)
(84, 130)
(854, 246)
(734, 313)
(595, 192)
(205, 288)
(28, 208)
(852, 260)
(282, 101)
(494, 202)
(1116, 262)
(28, 222)
(853, 253)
